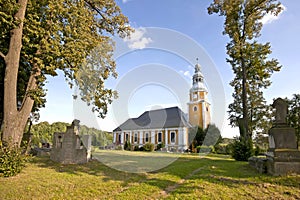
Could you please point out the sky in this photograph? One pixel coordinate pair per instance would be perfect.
(156, 64)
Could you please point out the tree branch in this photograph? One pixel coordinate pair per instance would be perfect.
(2, 55)
(95, 8)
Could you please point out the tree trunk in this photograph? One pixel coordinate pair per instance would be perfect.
(14, 120)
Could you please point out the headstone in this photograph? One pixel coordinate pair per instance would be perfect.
(281, 111)
(283, 154)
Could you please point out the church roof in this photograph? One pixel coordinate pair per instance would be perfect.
(156, 119)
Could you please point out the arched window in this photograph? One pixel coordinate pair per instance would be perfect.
(147, 137)
(159, 137)
(173, 137)
(135, 137)
(195, 108)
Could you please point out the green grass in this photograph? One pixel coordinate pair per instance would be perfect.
(188, 177)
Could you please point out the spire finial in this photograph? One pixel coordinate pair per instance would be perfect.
(197, 59)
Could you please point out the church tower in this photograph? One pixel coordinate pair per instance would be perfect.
(199, 107)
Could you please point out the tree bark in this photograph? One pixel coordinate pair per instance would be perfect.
(14, 120)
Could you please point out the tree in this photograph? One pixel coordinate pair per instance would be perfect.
(249, 60)
(208, 137)
(294, 114)
(196, 137)
(39, 37)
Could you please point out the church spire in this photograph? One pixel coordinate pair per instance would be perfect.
(198, 79)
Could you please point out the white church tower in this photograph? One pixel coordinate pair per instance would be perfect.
(199, 107)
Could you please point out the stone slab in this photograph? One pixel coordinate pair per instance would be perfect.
(282, 138)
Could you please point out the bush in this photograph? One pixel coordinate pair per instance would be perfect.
(160, 145)
(242, 149)
(136, 148)
(119, 147)
(12, 161)
(149, 147)
(205, 149)
(127, 146)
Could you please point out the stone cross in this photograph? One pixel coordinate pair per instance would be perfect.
(281, 107)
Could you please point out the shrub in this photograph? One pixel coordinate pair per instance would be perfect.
(149, 147)
(136, 148)
(12, 161)
(160, 145)
(119, 147)
(127, 146)
(242, 149)
(205, 149)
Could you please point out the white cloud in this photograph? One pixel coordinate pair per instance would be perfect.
(137, 40)
(186, 73)
(269, 17)
(125, 1)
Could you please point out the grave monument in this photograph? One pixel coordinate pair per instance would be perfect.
(283, 156)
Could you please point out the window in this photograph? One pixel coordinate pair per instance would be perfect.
(147, 137)
(173, 137)
(127, 136)
(135, 137)
(207, 109)
(119, 138)
(159, 137)
(195, 108)
(59, 142)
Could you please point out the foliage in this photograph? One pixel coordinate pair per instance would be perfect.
(205, 149)
(209, 137)
(40, 37)
(43, 133)
(242, 149)
(249, 60)
(148, 147)
(223, 149)
(294, 114)
(160, 145)
(127, 146)
(99, 137)
(136, 148)
(119, 147)
(196, 137)
(12, 161)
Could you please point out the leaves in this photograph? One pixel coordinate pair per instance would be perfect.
(249, 59)
(65, 35)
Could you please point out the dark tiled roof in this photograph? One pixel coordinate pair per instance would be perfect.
(156, 119)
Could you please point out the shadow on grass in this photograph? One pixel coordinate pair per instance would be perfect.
(93, 168)
(217, 170)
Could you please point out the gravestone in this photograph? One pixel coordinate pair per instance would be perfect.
(283, 156)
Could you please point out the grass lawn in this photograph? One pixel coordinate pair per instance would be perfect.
(188, 177)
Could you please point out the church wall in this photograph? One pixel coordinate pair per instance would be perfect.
(181, 137)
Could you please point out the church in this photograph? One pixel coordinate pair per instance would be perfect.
(168, 126)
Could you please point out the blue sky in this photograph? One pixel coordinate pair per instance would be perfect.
(190, 26)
